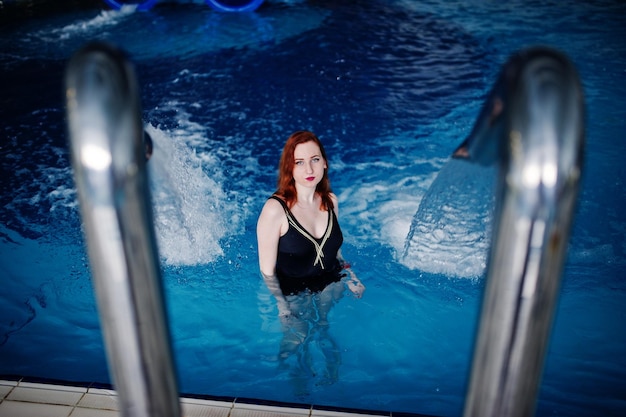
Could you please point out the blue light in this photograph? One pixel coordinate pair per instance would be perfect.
(141, 5)
(234, 5)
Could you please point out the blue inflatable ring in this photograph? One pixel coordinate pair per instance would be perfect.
(141, 5)
(234, 5)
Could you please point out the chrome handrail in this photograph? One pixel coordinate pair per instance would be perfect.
(108, 160)
(532, 125)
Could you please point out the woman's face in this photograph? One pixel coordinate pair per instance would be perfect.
(309, 165)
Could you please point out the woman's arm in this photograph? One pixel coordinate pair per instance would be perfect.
(269, 227)
(281, 302)
(352, 281)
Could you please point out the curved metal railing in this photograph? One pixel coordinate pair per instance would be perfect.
(108, 157)
(532, 125)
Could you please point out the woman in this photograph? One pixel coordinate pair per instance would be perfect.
(299, 240)
(298, 233)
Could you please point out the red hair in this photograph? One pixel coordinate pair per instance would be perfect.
(287, 185)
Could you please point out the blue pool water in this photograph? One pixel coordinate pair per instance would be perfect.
(391, 87)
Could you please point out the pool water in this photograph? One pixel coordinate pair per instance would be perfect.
(391, 88)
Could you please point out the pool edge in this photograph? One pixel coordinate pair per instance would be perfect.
(72, 398)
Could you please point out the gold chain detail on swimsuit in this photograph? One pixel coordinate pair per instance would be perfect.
(318, 246)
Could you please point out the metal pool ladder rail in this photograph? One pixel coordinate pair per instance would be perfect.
(532, 125)
(108, 158)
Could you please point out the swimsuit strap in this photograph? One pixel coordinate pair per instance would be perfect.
(282, 202)
(319, 247)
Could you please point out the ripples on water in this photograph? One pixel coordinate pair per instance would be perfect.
(361, 84)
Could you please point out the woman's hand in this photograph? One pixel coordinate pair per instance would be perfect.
(354, 284)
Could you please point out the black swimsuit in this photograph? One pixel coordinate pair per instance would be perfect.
(305, 262)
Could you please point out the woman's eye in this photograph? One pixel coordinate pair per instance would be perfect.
(299, 162)
(316, 159)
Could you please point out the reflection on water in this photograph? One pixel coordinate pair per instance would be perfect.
(305, 335)
(308, 354)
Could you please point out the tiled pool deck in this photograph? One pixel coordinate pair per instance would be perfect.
(20, 398)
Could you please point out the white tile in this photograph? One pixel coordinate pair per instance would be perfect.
(99, 401)
(254, 410)
(4, 391)
(196, 407)
(328, 413)
(203, 410)
(90, 412)
(44, 396)
(20, 409)
(52, 387)
(209, 403)
(102, 391)
(43, 400)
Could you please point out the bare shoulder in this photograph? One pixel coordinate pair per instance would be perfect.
(272, 209)
(272, 220)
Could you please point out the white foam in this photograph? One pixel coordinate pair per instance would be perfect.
(450, 233)
(56, 190)
(433, 212)
(103, 20)
(191, 216)
(381, 207)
